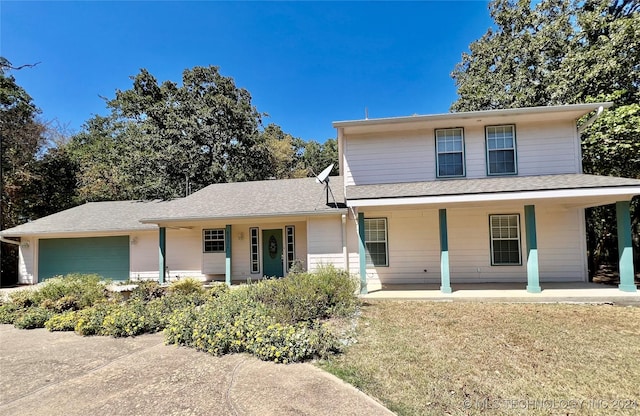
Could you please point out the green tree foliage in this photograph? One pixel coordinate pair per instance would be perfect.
(158, 137)
(564, 52)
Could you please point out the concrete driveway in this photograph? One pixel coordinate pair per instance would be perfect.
(60, 373)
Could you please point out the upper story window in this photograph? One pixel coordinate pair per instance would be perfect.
(450, 150)
(501, 150)
(213, 241)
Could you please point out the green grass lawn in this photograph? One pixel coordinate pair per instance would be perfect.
(422, 358)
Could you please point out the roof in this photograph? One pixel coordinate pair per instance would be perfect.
(485, 186)
(570, 111)
(287, 197)
(109, 216)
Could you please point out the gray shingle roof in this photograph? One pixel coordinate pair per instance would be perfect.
(91, 217)
(253, 199)
(487, 186)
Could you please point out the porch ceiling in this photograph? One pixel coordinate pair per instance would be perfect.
(581, 189)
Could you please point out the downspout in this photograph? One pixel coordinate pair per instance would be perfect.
(345, 251)
(6, 240)
(589, 122)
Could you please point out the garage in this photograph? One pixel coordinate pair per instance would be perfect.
(105, 256)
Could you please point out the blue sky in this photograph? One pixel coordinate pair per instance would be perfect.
(306, 64)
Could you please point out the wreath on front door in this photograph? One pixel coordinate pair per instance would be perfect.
(273, 247)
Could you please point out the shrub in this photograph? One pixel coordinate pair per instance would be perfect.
(24, 298)
(309, 296)
(66, 321)
(9, 312)
(147, 290)
(34, 317)
(125, 320)
(179, 328)
(90, 319)
(78, 290)
(186, 286)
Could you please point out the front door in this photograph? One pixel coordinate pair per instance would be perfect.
(272, 253)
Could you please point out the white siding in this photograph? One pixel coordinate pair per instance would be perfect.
(401, 157)
(543, 148)
(26, 261)
(414, 246)
(547, 149)
(183, 254)
(325, 242)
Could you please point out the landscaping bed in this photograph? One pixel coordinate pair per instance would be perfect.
(282, 320)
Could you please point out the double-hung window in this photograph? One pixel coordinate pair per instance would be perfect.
(213, 240)
(375, 241)
(450, 150)
(505, 239)
(501, 150)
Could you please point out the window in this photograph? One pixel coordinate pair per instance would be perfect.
(501, 150)
(291, 245)
(505, 239)
(255, 250)
(375, 241)
(213, 241)
(450, 150)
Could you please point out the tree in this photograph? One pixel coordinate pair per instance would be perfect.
(560, 52)
(21, 138)
(161, 137)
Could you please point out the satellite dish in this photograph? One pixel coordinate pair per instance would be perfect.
(323, 177)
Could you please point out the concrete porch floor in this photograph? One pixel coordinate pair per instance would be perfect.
(579, 292)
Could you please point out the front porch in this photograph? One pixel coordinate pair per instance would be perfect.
(552, 292)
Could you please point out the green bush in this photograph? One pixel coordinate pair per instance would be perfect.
(90, 319)
(65, 321)
(78, 291)
(9, 312)
(237, 322)
(186, 286)
(147, 290)
(24, 298)
(125, 320)
(309, 296)
(34, 317)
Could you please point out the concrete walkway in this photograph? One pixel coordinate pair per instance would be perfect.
(61, 373)
(507, 292)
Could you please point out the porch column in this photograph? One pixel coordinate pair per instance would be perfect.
(227, 253)
(533, 275)
(625, 247)
(162, 263)
(445, 279)
(362, 254)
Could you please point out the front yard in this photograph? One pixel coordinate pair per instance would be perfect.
(422, 358)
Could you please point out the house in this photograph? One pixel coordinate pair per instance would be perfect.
(483, 196)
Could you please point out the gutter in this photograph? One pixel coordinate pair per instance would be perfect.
(589, 122)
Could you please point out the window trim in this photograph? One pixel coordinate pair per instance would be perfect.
(256, 262)
(515, 150)
(290, 231)
(386, 242)
(205, 240)
(464, 162)
(519, 240)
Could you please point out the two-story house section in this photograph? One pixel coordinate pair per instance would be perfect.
(483, 196)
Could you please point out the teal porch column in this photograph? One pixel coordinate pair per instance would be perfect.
(625, 247)
(362, 254)
(533, 275)
(445, 278)
(162, 263)
(227, 253)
